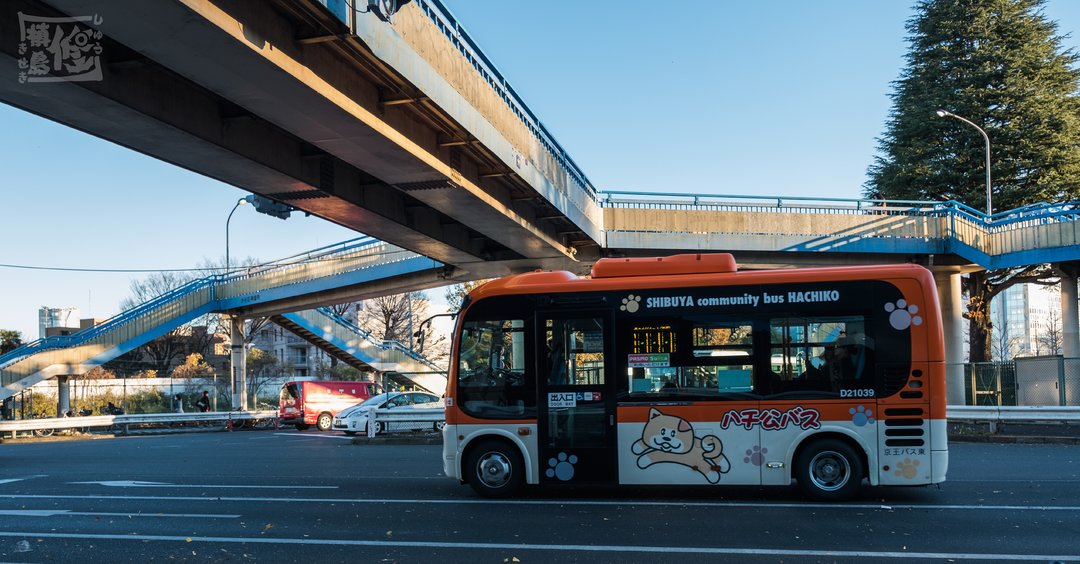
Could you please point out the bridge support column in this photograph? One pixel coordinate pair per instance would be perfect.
(952, 324)
(1070, 320)
(239, 363)
(63, 396)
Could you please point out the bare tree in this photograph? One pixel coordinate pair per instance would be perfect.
(1005, 347)
(401, 318)
(1050, 336)
(261, 368)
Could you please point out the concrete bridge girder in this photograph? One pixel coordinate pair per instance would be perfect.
(248, 53)
(145, 107)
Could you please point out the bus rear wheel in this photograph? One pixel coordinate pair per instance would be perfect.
(829, 470)
(495, 469)
(324, 421)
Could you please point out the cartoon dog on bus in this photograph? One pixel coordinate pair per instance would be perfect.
(668, 438)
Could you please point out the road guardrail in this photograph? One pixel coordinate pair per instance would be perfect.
(995, 415)
(388, 416)
(125, 421)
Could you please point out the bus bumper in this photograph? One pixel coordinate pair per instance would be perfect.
(451, 466)
(939, 463)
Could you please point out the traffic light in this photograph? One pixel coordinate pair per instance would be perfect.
(269, 207)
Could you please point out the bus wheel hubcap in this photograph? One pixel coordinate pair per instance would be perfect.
(829, 471)
(494, 469)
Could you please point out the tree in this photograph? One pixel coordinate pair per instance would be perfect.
(999, 64)
(1005, 347)
(195, 336)
(337, 371)
(261, 368)
(9, 340)
(1050, 335)
(391, 318)
(193, 367)
(168, 347)
(455, 295)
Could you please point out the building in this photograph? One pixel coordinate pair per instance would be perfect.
(1027, 321)
(302, 358)
(57, 321)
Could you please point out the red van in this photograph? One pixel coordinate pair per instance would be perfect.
(312, 402)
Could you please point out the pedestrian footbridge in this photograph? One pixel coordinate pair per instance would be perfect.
(775, 231)
(360, 268)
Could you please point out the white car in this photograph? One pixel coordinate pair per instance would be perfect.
(354, 419)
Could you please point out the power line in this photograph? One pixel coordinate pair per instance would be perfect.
(71, 269)
(205, 269)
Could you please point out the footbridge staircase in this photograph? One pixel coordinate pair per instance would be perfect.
(357, 268)
(349, 343)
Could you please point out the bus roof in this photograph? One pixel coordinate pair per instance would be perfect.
(687, 270)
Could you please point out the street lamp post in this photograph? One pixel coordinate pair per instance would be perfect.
(989, 206)
(240, 202)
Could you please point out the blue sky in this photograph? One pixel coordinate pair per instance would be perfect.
(768, 97)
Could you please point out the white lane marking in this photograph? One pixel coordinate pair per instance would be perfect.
(55, 512)
(314, 436)
(560, 547)
(138, 484)
(9, 480)
(561, 503)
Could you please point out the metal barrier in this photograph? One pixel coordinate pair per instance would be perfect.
(995, 415)
(389, 416)
(126, 421)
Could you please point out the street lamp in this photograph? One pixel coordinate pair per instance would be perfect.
(943, 113)
(240, 202)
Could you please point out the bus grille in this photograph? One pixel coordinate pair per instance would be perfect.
(904, 427)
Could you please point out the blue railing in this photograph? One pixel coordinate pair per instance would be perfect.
(1009, 238)
(449, 26)
(383, 344)
(117, 320)
(741, 201)
(445, 22)
(1068, 211)
(75, 339)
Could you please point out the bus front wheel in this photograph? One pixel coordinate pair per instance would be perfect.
(829, 470)
(495, 469)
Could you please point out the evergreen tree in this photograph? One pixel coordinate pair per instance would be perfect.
(999, 64)
(10, 340)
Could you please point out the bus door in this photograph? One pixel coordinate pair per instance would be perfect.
(576, 399)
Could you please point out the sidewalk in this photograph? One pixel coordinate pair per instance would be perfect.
(1030, 433)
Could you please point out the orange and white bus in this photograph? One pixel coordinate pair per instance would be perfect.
(682, 370)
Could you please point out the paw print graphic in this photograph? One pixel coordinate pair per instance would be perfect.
(902, 314)
(561, 466)
(907, 469)
(861, 416)
(756, 455)
(630, 303)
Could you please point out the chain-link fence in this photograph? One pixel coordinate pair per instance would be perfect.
(1030, 381)
(93, 396)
